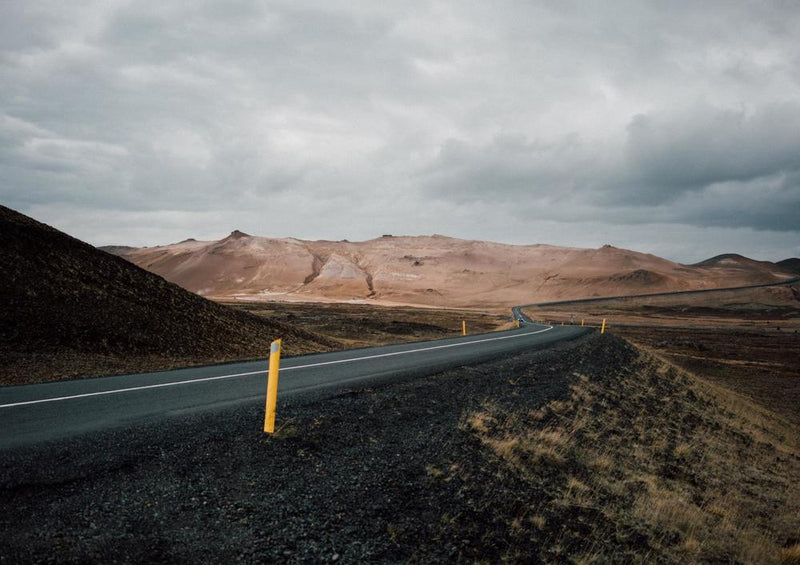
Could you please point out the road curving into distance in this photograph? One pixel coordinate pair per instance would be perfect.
(578, 301)
(33, 414)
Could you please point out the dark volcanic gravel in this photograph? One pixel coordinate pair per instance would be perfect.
(70, 310)
(384, 474)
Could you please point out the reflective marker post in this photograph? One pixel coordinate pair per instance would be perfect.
(463, 327)
(272, 386)
(603, 327)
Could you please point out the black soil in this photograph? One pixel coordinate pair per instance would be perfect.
(69, 309)
(386, 474)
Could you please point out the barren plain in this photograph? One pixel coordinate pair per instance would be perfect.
(745, 340)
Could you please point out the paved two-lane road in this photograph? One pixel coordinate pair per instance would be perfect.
(37, 413)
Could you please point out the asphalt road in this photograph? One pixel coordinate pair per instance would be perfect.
(34, 414)
(654, 295)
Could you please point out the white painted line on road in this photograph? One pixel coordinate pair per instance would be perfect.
(283, 369)
(131, 389)
(413, 351)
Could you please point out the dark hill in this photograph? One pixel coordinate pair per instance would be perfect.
(640, 277)
(117, 249)
(736, 261)
(730, 259)
(69, 309)
(792, 265)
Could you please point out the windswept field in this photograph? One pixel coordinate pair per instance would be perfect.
(694, 471)
(776, 307)
(747, 341)
(357, 325)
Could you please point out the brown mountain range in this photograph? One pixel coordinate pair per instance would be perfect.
(430, 270)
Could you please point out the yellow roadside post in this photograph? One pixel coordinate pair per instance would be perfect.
(581, 322)
(518, 323)
(603, 327)
(272, 386)
(463, 327)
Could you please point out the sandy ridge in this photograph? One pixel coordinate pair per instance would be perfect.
(429, 270)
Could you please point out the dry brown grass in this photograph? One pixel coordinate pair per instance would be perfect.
(710, 474)
(790, 555)
(547, 445)
(360, 325)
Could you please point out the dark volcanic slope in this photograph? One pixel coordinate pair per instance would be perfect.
(791, 265)
(69, 309)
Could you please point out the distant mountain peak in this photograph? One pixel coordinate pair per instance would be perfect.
(724, 258)
(236, 234)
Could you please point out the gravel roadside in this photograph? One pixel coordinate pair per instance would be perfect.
(383, 474)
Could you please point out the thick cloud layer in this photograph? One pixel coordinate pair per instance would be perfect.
(666, 127)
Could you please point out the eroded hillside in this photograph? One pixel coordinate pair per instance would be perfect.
(430, 270)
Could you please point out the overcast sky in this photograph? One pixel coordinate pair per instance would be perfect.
(666, 127)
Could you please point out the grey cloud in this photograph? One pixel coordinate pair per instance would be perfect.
(668, 155)
(513, 167)
(234, 83)
(766, 203)
(703, 166)
(442, 117)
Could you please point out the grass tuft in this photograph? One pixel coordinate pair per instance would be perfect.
(790, 555)
(699, 470)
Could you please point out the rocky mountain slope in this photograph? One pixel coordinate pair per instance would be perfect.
(429, 270)
(70, 309)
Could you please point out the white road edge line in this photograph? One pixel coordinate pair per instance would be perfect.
(283, 369)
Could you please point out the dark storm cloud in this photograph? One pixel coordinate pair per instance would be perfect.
(409, 117)
(709, 166)
(671, 154)
(766, 203)
(510, 167)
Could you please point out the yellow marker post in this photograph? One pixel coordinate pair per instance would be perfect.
(603, 327)
(581, 322)
(517, 323)
(463, 327)
(272, 386)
